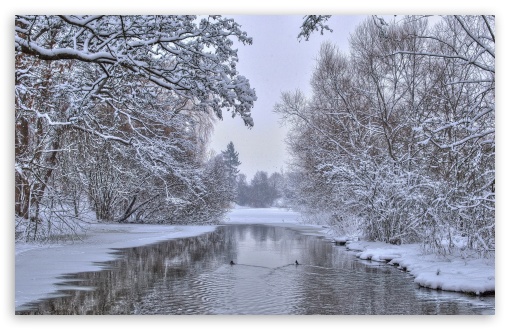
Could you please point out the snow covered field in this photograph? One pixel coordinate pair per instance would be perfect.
(264, 216)
(39, 266)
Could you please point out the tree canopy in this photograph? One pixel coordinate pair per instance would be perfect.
(397, 139)
(115, 111)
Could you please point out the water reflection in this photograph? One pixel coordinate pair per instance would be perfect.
(194, 276)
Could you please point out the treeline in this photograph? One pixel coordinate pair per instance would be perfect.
(262, 191)
(113, 115)
(396, 142)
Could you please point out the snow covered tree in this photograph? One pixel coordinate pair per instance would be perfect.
(231, 161)
(146, 87)
(212, 199)
(399, 135)
(231, 157)
(259, 190)
(262, 191)
(460, 128)
(276, 183)
(243, 190)
(312, 23)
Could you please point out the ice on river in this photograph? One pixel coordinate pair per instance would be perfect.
(38, 267)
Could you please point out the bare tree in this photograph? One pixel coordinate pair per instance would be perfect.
(398, 137)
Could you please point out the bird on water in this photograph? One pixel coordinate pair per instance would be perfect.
(297, 263)
(232, 263)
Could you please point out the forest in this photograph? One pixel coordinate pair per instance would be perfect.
(394, 143)
(113, 116)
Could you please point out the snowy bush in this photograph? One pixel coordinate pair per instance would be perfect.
(400, 133)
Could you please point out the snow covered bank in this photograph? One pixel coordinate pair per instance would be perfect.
(38, 267)
(274, 216)
(271, 215)
(451, 273)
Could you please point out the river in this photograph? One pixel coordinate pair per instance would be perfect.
(194, 276)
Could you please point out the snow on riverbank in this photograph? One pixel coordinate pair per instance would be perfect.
(451, 273)
(39, 266)
(271, 215)
(459, 273)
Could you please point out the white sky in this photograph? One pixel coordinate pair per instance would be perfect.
(275, 62)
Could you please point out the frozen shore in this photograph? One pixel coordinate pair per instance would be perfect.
(38, 267)
(451, 273)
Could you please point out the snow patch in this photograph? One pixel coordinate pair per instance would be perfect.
(452, 273)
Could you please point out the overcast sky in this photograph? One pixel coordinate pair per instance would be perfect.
(275, 62)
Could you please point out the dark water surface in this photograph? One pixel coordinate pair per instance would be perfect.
(193, 276)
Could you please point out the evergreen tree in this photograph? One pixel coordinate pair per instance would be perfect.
(231, 161)
(231, 158)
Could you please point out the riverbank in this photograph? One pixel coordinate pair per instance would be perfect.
(459, 273)
(38, 267)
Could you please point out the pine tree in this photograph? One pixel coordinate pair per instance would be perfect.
(231, 158)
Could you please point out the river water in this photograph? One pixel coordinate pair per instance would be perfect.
(194, 276)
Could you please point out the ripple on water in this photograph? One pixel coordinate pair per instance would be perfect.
(194, 276)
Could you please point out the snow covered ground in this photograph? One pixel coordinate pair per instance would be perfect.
(38, 267)
(460, 273)
(272, 215)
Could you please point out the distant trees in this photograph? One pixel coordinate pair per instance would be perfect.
(243, 190)
(398, 137)
(114, 112)
(262, 191)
